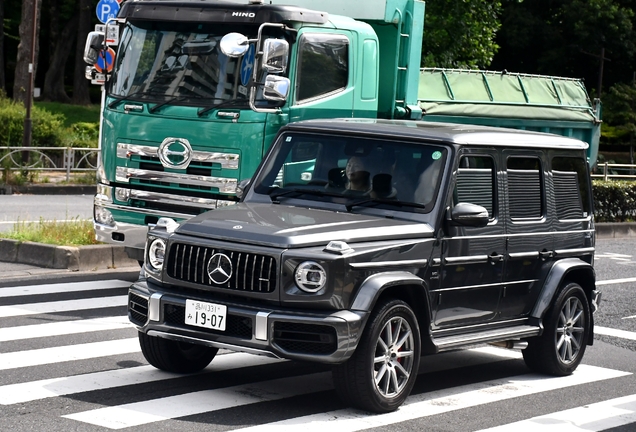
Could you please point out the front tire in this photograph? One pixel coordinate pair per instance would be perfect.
(380, 374)
(559, 350)
(173, 356)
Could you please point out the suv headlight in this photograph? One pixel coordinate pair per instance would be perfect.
(156, 253)
(310, 276)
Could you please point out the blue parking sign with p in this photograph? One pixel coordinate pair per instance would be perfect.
(107, 9)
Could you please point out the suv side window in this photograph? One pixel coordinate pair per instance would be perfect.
(571, 188)
(323, 64)
(525, 188)
(476, 182)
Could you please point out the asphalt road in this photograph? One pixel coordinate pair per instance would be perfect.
(30, 208)
(70, 361)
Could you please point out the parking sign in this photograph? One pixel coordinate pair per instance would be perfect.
(107, 9)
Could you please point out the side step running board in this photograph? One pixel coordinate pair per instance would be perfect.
(518, 332)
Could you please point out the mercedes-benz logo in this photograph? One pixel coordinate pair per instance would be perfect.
(175, 153)
(220, 268)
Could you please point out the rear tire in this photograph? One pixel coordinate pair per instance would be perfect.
(559, 350)
(173, 356)
(382, 371)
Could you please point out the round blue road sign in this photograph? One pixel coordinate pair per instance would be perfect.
(247, 65)
(107, 9)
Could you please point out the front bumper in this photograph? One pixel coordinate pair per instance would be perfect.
(317, 336)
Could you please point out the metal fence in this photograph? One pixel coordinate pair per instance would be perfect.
(613, 171)
(55, 159)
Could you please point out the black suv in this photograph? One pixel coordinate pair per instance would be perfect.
(366, 243)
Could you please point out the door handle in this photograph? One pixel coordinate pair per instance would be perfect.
(545, 254)
(494, 258)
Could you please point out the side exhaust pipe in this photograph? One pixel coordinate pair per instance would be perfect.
(511, 344)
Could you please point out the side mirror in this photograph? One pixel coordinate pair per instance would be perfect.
(240, 188)
(468, 214)
(276, 88)
(275, 55)
(94, 44)
(234, 44)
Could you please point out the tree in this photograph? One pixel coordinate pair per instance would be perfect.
(80, 83)
(2, 77)
(54, 79)
(22, 75)
(460, 33)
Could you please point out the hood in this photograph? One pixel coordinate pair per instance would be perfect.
(288, 227)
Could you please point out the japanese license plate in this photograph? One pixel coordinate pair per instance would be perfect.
(208, 315)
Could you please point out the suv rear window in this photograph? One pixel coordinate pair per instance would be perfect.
(525, 188)
(570, 186)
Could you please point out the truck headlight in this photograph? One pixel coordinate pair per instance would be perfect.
(310, 276)
(157, 253)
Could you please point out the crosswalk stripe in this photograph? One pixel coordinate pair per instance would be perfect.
(606, 331)
(589, 418)
(139, 413)
(62, 306)
(64, 328)
(35, 390)
(85, 351)
(441, 401)
(62, 288)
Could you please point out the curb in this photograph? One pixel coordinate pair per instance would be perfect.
(84, 258)
(608, 230)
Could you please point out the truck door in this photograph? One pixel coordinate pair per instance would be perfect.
(472, 257)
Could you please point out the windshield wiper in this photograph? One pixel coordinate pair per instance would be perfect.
(230, 102)
(166, 102)
(119, 99)
(287, 192)
(375, 201)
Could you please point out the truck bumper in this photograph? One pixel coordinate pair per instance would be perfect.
(320, 336)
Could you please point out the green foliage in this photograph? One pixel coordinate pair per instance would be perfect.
(46, 131)
(614, 201)
(77, 232)
(72, 113)
(619, 108)
(460, 33)
(83, 135)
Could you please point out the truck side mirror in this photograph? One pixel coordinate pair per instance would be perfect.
(276, 88)
(275, 55)
(234, 44)
(94, 44)
(468, 214)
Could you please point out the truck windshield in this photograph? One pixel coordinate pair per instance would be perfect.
(180, 63)
(354, 172)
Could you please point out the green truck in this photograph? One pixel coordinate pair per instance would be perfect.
(199, 89)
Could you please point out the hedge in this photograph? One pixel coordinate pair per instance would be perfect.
(47, 129)
(614, 200)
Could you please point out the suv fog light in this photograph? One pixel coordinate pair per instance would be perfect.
(310, 276)
(157, 253)
(103, 216)
(122, 194)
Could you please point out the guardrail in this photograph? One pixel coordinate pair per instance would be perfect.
(61, 159)
(615, 171)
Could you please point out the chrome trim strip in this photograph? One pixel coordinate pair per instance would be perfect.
(466, 259)
(154, 307)
(260, 326)
(369, 265)
(225, 185)
(526, 234)
(221, 345)
(175, 199)
(508, 283)
(226, 160)
(574, 251)
(518, 255)
(178, 199)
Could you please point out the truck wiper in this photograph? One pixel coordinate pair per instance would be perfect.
(375, 201)
(230, 102)
(119, 99)
(166, 102)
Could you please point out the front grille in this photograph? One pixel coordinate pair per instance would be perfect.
(305, 338)
(235, 326)
(137, 309)
(250, 272)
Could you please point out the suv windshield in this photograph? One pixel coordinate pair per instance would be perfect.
(180, 63)
(354, 172)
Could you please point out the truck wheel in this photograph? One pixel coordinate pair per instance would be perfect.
(559, 350)
(173, 356)
(381, 373)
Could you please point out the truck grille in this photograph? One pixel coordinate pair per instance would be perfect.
(249, 272)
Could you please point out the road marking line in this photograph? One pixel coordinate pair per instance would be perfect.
(606, 331)
(35, 390)
(589, 418)
(60, 288)
(37, 357)
(629, 317)
(64, 328)
(615, 281)
(150, 411)
(62, 306)
(441, 401)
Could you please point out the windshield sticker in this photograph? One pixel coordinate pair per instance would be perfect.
(288, 139)
(436, 155)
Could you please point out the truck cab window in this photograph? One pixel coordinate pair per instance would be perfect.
(323, 65)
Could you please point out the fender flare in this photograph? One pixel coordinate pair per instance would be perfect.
(373, 286)
(553, 280)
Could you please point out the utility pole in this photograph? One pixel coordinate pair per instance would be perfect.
(602, 59)
(28, 102)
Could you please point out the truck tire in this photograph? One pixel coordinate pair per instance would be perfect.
(379, 376)
(559, 350)
(173, 356)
